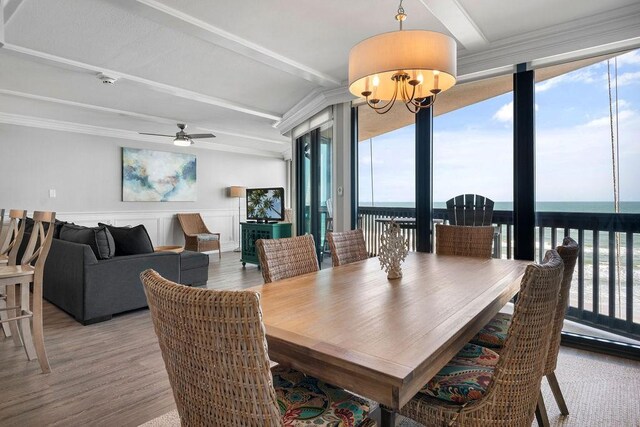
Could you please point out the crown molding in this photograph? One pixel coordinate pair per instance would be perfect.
(148, 117)
(567, 39)
(158, 87)
(316, 101)
(173, 18)
(63, 126)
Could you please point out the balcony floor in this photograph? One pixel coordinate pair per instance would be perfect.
(112, 373)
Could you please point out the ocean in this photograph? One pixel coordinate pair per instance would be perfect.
(588, 251)
(596, 207)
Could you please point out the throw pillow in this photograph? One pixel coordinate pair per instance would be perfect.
(29, 223)
(98, 238)
(130, 240)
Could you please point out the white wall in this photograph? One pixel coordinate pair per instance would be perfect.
(86, 172)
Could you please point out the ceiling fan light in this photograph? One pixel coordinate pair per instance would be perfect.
(182, 142)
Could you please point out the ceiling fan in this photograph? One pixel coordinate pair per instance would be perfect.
(182, 138)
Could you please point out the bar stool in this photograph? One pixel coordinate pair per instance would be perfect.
(10, 237)
(19, 277)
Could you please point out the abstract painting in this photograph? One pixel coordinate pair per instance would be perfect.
(158, 176)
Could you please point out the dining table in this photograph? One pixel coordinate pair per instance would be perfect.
(384, 339)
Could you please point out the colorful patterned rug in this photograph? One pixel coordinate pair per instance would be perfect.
(591, 383)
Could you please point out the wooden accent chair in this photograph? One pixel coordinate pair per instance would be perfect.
(197, 236)
(506, 387)
(287, 257)
(347, 246)
(19, 277)
(464, 240)
(493, 335)
(470, 209)
(220, 374)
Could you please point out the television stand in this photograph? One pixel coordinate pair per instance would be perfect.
(252, 231)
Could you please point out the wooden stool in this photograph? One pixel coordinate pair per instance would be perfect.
(10, 237)
(19, 277)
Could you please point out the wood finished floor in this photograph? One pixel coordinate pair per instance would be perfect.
(107, 374)
(110, 373)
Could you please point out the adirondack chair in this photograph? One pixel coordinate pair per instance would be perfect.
(474, 210)
(470, 209)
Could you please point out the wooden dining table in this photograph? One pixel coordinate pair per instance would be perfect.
(384, 339)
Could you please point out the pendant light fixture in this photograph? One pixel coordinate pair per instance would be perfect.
(411, 65)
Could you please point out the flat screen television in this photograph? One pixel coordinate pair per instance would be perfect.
(265, 204)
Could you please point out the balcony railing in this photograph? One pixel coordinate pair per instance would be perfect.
(605, 292)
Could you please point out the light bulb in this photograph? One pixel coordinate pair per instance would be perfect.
(376, 81)
(420, 78)
(182, 142)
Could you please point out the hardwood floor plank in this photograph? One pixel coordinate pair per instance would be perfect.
(106, 374)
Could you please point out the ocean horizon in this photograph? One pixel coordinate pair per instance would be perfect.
(594, 207)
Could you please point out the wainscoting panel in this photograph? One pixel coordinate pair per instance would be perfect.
(163, 226)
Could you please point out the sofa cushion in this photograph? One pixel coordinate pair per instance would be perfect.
(98, 238)
(190, 260)
(130, 240)
(206, 237)
(29, 223)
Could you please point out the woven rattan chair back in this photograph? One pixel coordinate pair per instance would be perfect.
(192, 223)
(215, 352)
(569, 254)
(287, 257)
(193, 227)
(470, 209)
(514, 390)
(347, 247)
(464, 241)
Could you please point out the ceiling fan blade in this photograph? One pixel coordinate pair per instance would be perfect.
(201, 135)
(156, 134)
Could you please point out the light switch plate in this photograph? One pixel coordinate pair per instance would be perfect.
(52, 193)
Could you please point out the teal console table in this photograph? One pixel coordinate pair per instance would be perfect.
(252, 231)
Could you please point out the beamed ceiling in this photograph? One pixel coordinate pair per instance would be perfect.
(248, 71)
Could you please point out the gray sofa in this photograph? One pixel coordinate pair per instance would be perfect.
(93, 290)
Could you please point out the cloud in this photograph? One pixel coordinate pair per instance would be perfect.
(585, 75)
(505, 113)
(604, 121)
(627, 78)
(631, 58)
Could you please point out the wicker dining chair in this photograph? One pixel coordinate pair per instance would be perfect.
(494, 333)
(347, 247)
(287, 257)
(197, 236)
(514, 382)
(464, 240)
(215, 351)
(15, 281)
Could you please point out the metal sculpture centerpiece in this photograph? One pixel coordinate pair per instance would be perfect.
(393, 250)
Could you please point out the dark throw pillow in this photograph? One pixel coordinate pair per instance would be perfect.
(130, 240)
(29, 223)
(98, 238)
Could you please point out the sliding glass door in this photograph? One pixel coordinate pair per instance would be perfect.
(315, 184)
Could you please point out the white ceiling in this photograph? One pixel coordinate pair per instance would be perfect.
(240, 69)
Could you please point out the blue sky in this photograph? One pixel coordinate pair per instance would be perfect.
(473, 146)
